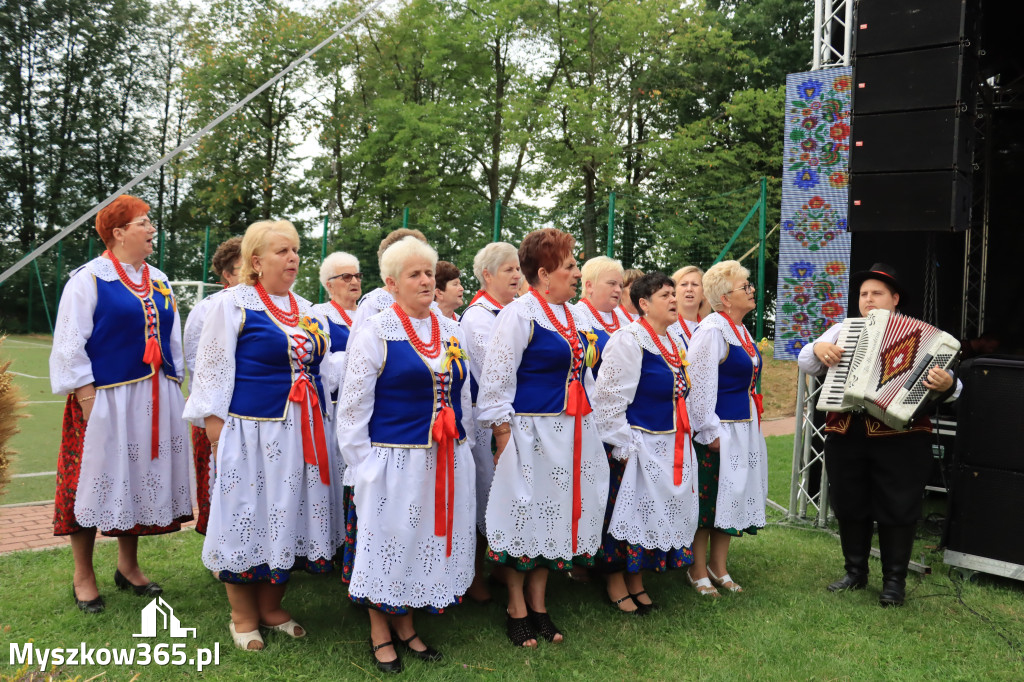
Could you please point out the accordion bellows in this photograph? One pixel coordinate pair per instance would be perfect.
(886, 357)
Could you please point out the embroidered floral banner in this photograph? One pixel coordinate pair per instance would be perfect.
(814, 246)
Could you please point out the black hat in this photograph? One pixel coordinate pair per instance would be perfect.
(880, 271)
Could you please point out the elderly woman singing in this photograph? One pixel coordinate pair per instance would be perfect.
(403, 419)
(123, 463)
(551, 480)
(258, 390)
(726, 414)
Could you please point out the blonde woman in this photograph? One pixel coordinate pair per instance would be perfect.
(689, 301)
(626, 307)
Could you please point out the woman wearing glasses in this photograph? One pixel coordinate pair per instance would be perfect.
(725, 412)
(123, 462)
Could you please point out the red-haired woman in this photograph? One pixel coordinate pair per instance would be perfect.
(123, 464)
(551, 480)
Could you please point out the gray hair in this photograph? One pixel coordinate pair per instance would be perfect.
(395, 256)
(491, 258)
(334, 262)
(719, 278)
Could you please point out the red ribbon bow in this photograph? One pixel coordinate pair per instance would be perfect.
(153, 357)
(682, 431)
(314, 444)
(759, 404)
(445, 432)
(577, 406)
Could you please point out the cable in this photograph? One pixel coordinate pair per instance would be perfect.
(182, 147)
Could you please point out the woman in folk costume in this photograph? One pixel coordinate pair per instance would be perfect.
(123, 463)
(381, 298)
(403, 421)
(641, 413)
(551, 478)
(258, 391)
(725, 413)
(340, 276)
(226, 264)
(626, 305)
(600, 303)
(689, 301)
(496, 267)
(875, 473)
(448, 289)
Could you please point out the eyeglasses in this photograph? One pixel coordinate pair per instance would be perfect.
(747, 288)
(144, 222)
(346, 277)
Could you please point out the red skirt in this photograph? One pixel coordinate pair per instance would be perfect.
(202, 451)
(69, 466)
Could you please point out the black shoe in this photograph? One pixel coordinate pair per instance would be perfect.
(646, 608)
(638, 611)
(429, 653)
(147, 590)
(519, 631)
(394, 666)
(543, 624)
(92, 606)
(848, 582)
(896, 544)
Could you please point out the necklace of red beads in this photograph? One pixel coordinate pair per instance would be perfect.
(483, 294)
(672, 358)
(142, 290)
(609, 328)
(431, 350)
(745, 340)
(686, 330)
(288, 319)
(343, 313)
(568, 331)
(629, 315)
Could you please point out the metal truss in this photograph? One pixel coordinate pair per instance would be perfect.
(833, 33)
(972, 318)
(931, 281)
(808, 457)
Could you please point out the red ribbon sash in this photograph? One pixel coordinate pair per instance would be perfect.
(682, 431)
(152, 356)
(445, 433)
(314, 444)
(759, 404)
(577, 406)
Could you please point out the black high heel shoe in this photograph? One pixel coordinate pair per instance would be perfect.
(148, 590)
(429, 653)
(92, 606)
(394, 666)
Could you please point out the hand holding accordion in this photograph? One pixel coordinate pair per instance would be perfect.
(886, 360)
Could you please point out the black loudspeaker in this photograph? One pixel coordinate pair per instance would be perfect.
(906, 141)
(990, 414)
(984, 513)
(919, 79)
(918, 201)
(889, 26)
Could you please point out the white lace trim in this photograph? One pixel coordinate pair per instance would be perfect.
(647, 343)
(378, 299)
(246, 298)
(332, 314)
(389, 327)
(717, 321)
(103, 268)
(529, 308)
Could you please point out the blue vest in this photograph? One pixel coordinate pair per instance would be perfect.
(118, 339)
(405, 399)
(263, 370)
(542, 380)
(339, 342)
(653, 408)
(602, 338)
(474, 385)
(735, 376)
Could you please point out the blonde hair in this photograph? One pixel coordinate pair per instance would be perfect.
(718, 281)
(396, 236)
(334, 262)
(597, 266)
(491, 258)
(630, 276)
(255, 240)
(678, 275)
(395, 257)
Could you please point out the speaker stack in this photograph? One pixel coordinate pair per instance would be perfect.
(913, 105)
(985, 511)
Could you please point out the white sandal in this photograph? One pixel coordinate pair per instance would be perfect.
(725, 582)
(703, 586)
(288, 627)
(244, 639)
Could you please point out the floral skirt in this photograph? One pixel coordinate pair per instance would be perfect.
(202, 452)
(618, 555)
(708, 463)
(69, 465)
(528, 563)
(274, 576)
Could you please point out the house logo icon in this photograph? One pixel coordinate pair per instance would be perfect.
(158, 615)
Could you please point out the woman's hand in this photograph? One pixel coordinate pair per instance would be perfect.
(501, 439)
(214, 425)
(827, 353)
(715, 445)
(86, 396)
(938, 379)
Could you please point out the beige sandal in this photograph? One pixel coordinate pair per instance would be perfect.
(725, 582)
(703, 586)
(244, 639)
(289, 627)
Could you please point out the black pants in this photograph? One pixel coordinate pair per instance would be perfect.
(880, 479)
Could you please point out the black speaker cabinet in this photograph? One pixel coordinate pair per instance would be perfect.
(990, 414)
(984, 513)
(892, 25)
(920, 79)
(918, 201)
(934, 139)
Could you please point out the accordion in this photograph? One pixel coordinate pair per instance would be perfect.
(886, 356)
